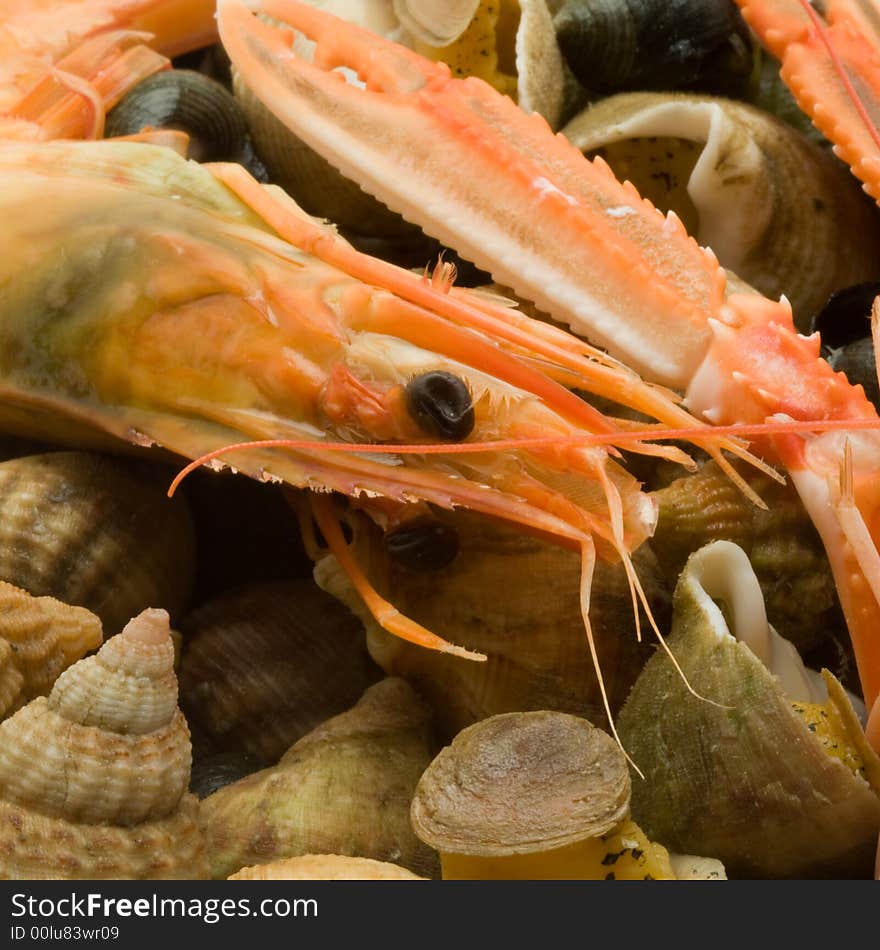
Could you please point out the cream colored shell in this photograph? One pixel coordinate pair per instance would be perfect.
(93, 779)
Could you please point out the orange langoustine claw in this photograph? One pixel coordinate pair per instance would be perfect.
(564, 233)
(831, 63)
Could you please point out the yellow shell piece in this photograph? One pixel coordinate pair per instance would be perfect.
(485, 49)
(837, 728)
(326, 867)
(622, 854)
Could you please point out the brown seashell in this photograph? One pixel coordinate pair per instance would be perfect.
(39, 638)
(266, 663)
(345, 788)
(95, 531)
(325, 867)
(485, 600)
(93, 779)
(783, 546)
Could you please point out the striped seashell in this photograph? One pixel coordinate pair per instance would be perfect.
(93, 779)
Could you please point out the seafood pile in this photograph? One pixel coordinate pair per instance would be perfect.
(438, 439)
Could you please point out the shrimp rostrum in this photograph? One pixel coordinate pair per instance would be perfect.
(160, 302)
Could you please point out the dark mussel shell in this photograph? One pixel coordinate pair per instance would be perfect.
(844, 324)
(620, 45)
(193, 103)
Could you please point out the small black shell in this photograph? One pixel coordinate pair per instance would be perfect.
(422, 545)
(193, 103)
(441, 404)
(628, 45)
(844, 324)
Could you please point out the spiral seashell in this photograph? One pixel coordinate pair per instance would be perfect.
(325, 867)
(484, 598)
(95, 531)
(39, 638)
(344, 788)
(776, 209)
(736, 772)
(266, 663)
(93, 778)
(781, 542)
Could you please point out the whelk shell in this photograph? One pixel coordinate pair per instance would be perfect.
(344, 788)
(93, 779)
(737, 773)
(776, 209)
(39, 638)
(484, 598)
(97, 532)
(266, 663)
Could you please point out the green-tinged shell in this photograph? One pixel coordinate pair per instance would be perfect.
(485, 600)
(39, 638)
(736, 774)
(97, 532)
(345, 788)
(618, 45)
(266, 663)
(776, 209)
(781, 542)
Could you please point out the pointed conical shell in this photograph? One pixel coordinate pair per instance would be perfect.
(344, 788)
(109, 745)
(776, 209)
(736, 774)
(93, 779)
(95, 531)
(39, 638)
(325, 867)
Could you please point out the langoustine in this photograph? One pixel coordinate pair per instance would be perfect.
(589, 251)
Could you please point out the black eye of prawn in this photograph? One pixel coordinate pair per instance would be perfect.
(441, 404)
(422, 545)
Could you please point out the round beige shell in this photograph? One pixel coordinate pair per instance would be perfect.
(520, 783)
(39, 638)
(345, 788)
(734, 773)
(775, 208)
(266, 663)
(325, 867)
(95, 531)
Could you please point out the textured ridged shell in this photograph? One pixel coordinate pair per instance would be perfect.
(520, 783)
(741, 778)
(169, 848)
(345, 788)
(325, 867)
(39, 638)
(95, 531)
(109, 745)
(485, 599)
(93, 779)
(783, 546)
(774, 207)
(266, 663)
